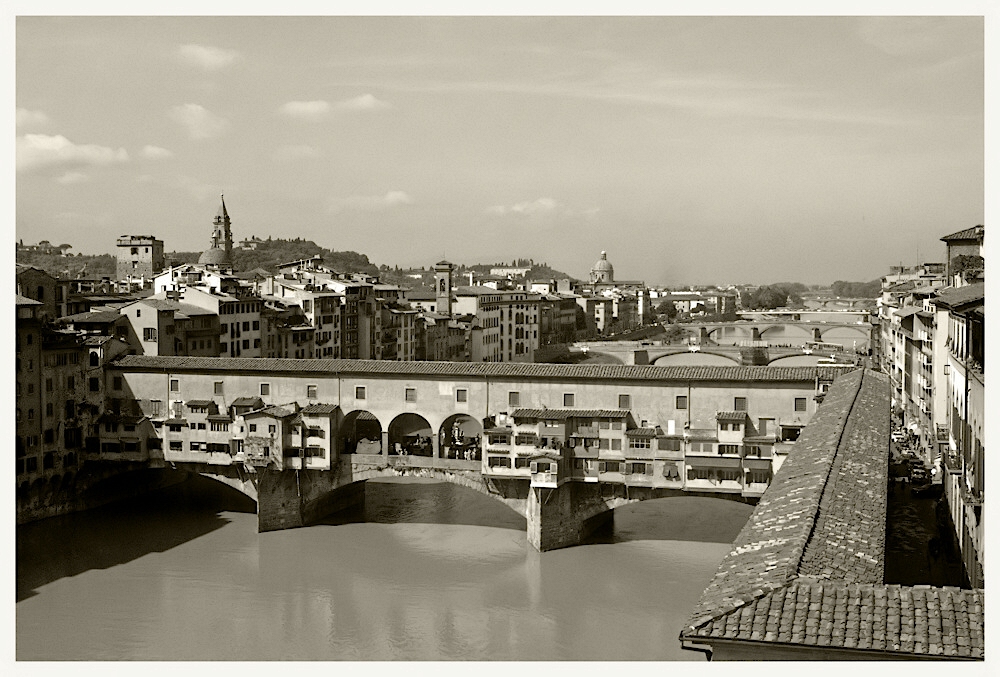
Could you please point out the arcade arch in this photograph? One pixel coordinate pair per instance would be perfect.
(361, 433)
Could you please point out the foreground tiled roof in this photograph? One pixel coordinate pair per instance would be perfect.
(516, 370)
(955, 297)
(807, 570)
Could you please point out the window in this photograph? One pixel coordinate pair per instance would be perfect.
(49, 409)
(736, 427)
(265, 389)
(639, 443)
(272, 429)
(499, 461)
(359, 392)
(569, 399)
(48, 385)
(256, 325)
(723, 426)
(461, 395)
(253, 427)
(218, 387)
(790, 433)
(610, 466)
(176, 445)
(499, 439)
(220, 427)
(514, 399)
(246, 326)
(175, 385)
(624, 401)
(31, 414)
(740, 404)
(117, 383)
(681, 402)
(411, 395)
(729, 448)
(800, 404)
(311, 391)
(149, 334)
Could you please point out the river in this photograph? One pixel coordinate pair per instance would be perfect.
(433, 572)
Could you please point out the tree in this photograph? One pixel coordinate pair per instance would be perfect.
(767, 298)
(667, 308)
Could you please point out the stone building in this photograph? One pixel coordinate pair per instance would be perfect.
(139, 257)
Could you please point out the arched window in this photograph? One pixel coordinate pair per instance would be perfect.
(443, 289)
(94, 359)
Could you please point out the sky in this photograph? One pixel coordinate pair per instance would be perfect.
(694, 150)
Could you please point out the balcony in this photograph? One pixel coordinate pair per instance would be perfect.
(952, 461)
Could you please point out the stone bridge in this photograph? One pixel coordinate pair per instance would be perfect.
(556, 517)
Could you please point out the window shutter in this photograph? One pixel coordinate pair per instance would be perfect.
(534, 467)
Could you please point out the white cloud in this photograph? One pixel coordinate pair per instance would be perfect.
(362, 103)
(301, 152)
(305, 110)
(541, 206)
(40, 151)
(31, 118)
(155, 153)
(370, 203)
(199, 121)
(72, 177)
(208, 58)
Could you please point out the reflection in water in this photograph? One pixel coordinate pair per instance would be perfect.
(437, 572)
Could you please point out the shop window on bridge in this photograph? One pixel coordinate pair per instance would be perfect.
(729, 449)
(681, 402)
(522, 462)
(752, 450)
(755, 476)
(638, 468)
(110, 448)
(174, 428)
(790, 433)
(499, 462)
(740, 404)
(525, 438)
(130, 446)
(610, 466)
(639, 443)
(176, 445)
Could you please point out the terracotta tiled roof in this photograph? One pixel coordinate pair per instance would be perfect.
(319, 409)
(272, 411)
(808, 567)
(247, 401)
(974, 233)
(641, 432)
(199, 403)
(954, 297)
(731, 416)
(516, 370)
(563, 414)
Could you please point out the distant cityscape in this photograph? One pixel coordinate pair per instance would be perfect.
(646, 390)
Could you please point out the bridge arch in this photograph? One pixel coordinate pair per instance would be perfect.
(786, 333)
(460, 434)
(360, 433)
(596, 356)
(699, 358)
(411, 433)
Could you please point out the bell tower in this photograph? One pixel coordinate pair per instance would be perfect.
(442, 286)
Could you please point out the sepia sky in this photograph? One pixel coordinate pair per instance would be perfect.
(692, 149)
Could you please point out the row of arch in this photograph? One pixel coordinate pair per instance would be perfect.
(410, 433)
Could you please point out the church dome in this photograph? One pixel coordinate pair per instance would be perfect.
(602, 272)
(214, 256)
(603, 264)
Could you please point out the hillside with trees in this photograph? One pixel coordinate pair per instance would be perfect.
(857, 290)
